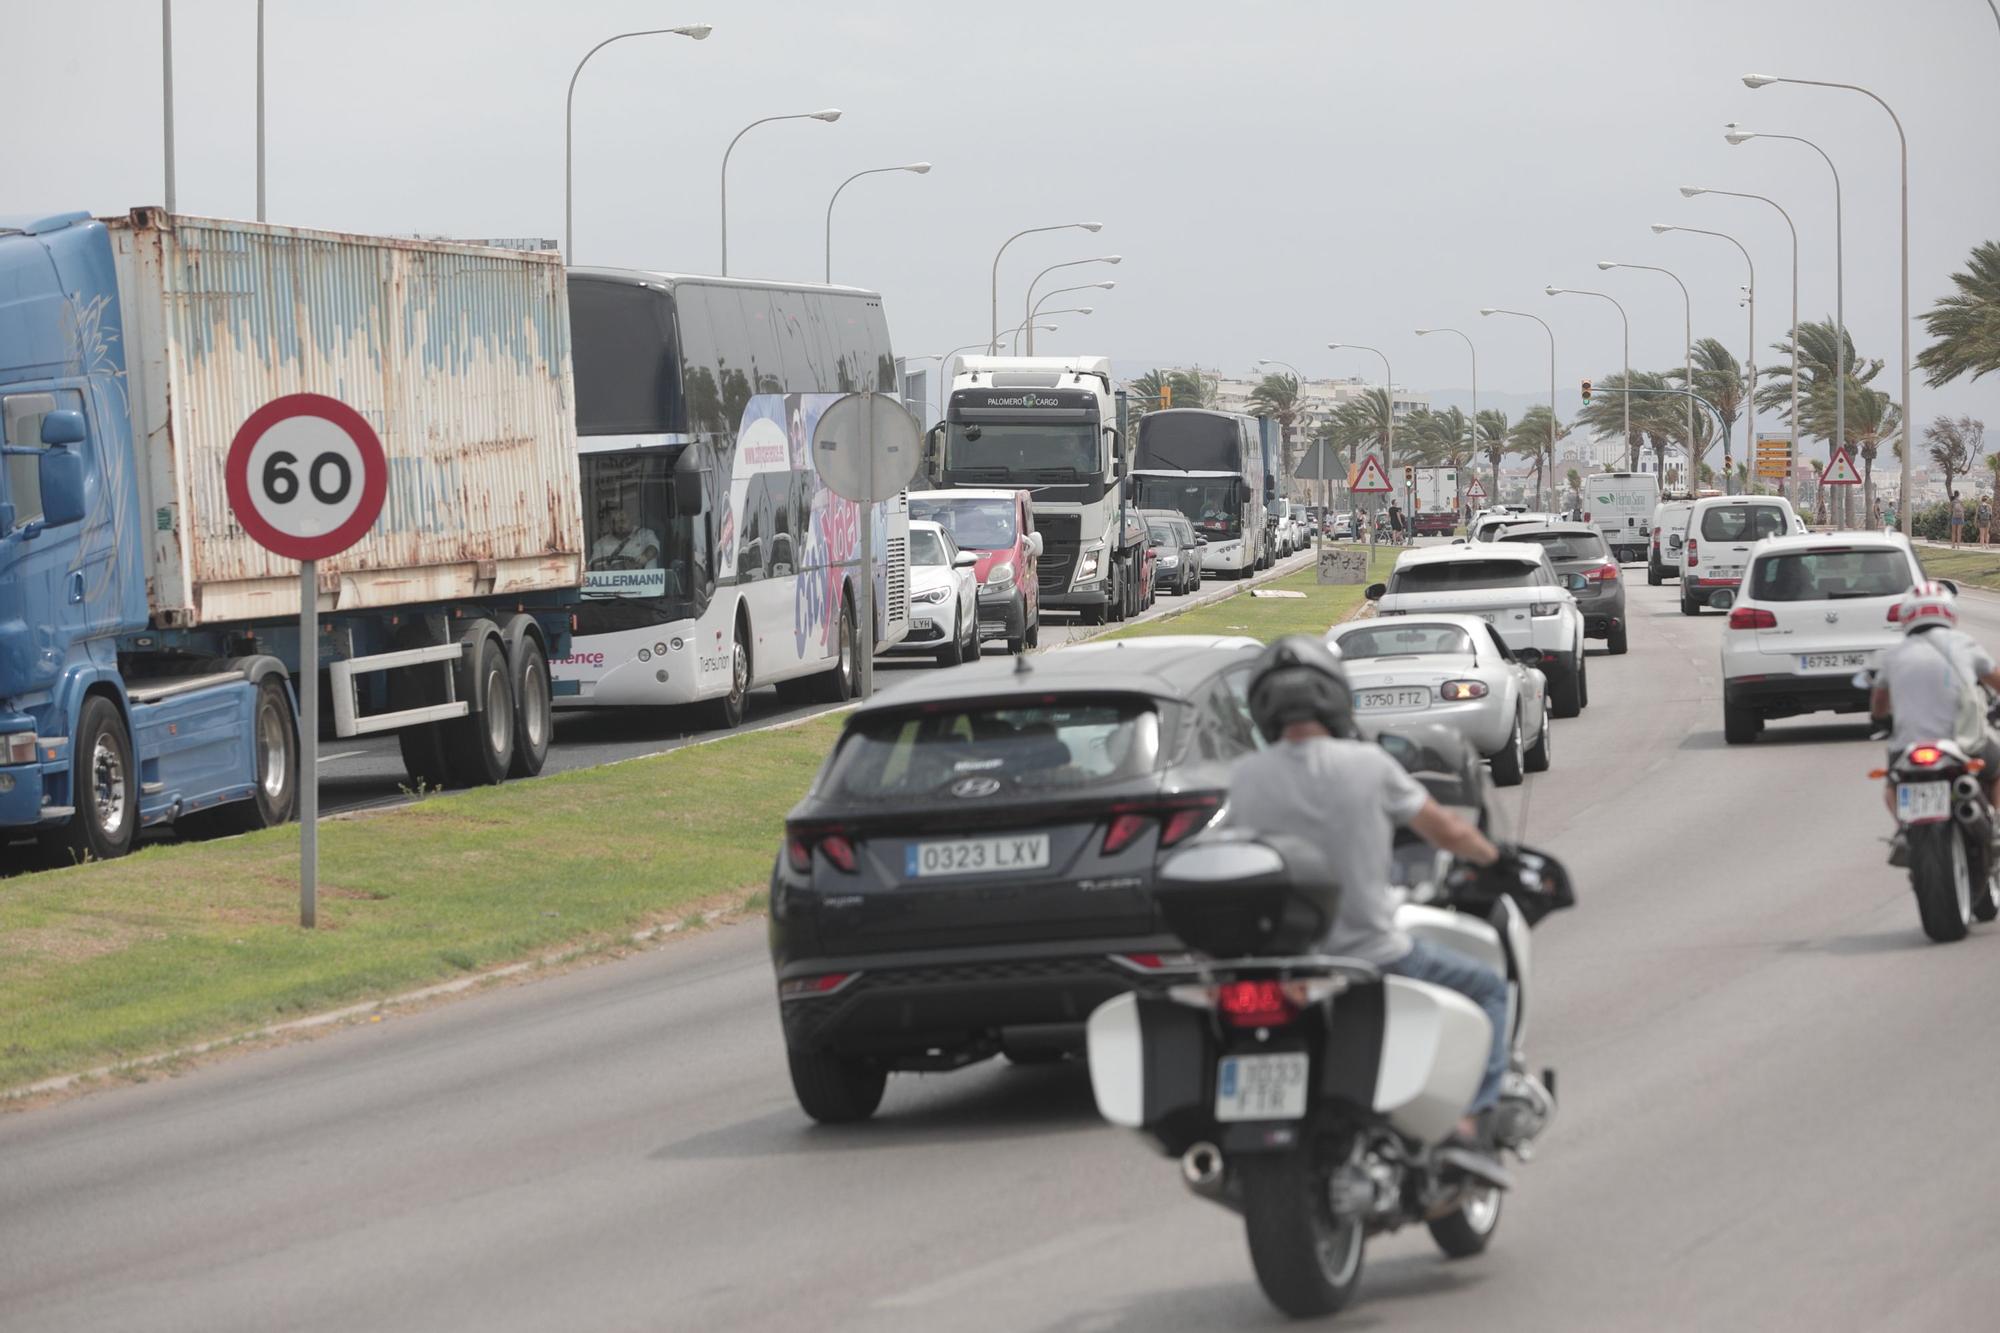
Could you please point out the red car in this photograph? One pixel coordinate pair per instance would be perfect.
(998, 526)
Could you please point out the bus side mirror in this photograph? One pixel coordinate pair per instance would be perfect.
(689, 488)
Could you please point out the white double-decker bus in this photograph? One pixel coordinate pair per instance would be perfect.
(716, 560)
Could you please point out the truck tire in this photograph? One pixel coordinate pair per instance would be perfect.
(104, 787)
(1114, 606)
(423, 745)
(534, 706)
(274, 733)
(479, 747)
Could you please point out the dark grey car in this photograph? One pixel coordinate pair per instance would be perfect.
(1177, 548)
(1579, 548)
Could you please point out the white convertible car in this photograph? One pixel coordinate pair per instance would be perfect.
(1450, 669)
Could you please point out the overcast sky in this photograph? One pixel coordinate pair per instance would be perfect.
(1277, 175)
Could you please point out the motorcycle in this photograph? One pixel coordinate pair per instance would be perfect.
(1311, 1094)
(1947, 828)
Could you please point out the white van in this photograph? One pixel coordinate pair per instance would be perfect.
(1620, 505)
(1720, 532)
(1670, 528)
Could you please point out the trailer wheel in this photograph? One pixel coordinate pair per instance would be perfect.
(479, 747)
(423, 745)
(534, 706)
(275, 736)
(104, 787)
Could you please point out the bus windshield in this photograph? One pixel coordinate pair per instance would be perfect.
(638, 547)
(1048, 451)
(1213, 504)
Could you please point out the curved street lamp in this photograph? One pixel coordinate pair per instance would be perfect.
(697, 31)
(1474, 352)
(1626, 320)
(1750, 395)
(1027, 311)
(829, 116)
(1036, 313)
(1909, 423)
(915, 168)
(993, 347)
(1687, 336)
(1028, 326)
(1548, 472)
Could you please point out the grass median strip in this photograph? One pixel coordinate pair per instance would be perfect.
(183, 943)
(1974, 567)
(1268, 618)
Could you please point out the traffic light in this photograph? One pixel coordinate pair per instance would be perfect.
(1409, 475)
(1586, 393)
(1166, 395)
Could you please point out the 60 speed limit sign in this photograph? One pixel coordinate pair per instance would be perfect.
(306, 476)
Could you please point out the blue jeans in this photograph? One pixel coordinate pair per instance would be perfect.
(1476, 982)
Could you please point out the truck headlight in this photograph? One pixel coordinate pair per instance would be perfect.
(999, 578)
(21, 746)
(1087, 563)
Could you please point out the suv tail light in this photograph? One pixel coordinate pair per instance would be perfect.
(1178, 819)
(836, 847)
(1544, 608)
(1124, 828)
(1752, 617)
(1895, 612)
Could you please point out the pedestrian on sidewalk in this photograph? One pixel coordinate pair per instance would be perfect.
(1957, 519)
(1395, 524)
(1985, 520)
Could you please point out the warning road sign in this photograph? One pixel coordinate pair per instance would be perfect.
(1840, 472)
(1372, 479)
(1475, 492)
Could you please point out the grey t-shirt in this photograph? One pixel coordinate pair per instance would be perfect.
(1923, 693)
(1350, 796)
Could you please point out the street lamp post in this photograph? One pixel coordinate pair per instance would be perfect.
(1326, 483)
(1738, 136)
(993, 347)
(1548, 471)
(1050, 295)
(915, 168)
(1909, 424)
(1028, 312)
(1687, 333)
(1018, 328)
(1631, 449)
(167, 92)
(697, 31)
(829, 115)
(1750, 393)
(1389, 403)
(1029, 326)
(1473, 444)
(1689, 192)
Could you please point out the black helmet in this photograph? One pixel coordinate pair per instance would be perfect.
(1300, 679)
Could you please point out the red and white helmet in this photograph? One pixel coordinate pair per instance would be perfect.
(1929, 603)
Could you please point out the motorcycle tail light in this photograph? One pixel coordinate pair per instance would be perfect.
(1926, 756)
(1462, 689)
(1253, 1004)
(1752, 617)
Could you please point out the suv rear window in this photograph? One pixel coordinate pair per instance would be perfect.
(1025, 747)
(1564, 545)
(1742, 523)
(1462, 575)
(1831, 575)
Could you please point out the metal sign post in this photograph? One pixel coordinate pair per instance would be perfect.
(306, 477)
(866, 448)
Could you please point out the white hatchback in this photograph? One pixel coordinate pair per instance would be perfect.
(1811, 613)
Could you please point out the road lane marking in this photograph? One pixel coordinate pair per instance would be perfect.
(1061, 1247)
(344, 754)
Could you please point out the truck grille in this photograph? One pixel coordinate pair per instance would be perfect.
(1062, 534)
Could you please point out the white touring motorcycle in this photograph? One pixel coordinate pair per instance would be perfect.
(1311, 1094)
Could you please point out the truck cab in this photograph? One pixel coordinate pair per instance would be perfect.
(1048, 425)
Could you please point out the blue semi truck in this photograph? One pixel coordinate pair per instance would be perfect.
(149, 648)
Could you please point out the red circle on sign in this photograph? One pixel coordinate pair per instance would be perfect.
(374, 476)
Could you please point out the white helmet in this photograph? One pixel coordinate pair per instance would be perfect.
(1929, 603)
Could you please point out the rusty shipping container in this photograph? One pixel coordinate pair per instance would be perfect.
(457, 355)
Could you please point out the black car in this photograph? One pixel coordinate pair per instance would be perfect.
(1579, 548)
(971, 871)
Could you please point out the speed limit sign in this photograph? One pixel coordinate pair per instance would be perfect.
(306, 476)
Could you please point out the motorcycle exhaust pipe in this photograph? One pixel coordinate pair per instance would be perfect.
(1971, 815)
(1965, 787)
(1202, 1169)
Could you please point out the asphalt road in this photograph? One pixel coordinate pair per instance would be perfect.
(1775, 1105)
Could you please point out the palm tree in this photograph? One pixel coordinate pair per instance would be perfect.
(1278, 396)
(1872, 418)
(1954, 444)
(1190, 389)
(1491, 437)
(1718, 378)
(1531, 436)
(1966, 326)
(1365, 420)
(1657, 418)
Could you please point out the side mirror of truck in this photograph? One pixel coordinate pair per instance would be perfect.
(933, 465)
(64, 427)
(62, 481)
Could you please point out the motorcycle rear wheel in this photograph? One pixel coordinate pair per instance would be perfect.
(1307, 1261)
(1941, 876)
(1466, 1230)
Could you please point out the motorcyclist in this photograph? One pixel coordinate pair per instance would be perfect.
(1317, 780)
(1928, 684)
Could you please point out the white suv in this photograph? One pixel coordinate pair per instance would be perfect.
(1511, 587)
(1812, 612)
(1720, 532)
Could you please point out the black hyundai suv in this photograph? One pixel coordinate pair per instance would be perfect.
(971, 871)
